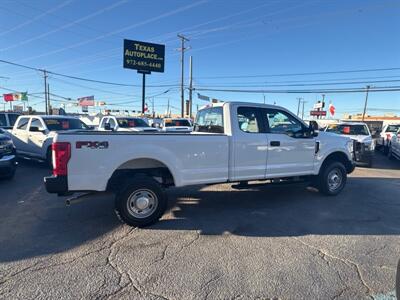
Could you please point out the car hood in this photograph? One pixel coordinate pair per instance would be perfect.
(138, 129)
(177, 128)
(358, 138)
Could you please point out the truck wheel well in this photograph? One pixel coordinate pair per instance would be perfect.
(340, 157)
(140, 167)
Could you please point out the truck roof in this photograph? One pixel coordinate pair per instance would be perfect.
(51, 116)
(348, 123)
(247, 104)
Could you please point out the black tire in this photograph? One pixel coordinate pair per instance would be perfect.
(390, 154)
(128, 209)
(386, 149)
(10, 175)
(49, 158)
(332, 171)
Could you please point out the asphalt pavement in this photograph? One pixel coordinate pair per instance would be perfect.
(215, 242)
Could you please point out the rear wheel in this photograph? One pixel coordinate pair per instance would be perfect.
(141, 202)
(390, 153)
(332, 178)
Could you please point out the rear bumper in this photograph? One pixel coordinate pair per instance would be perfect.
(8, 164)
(56, 185)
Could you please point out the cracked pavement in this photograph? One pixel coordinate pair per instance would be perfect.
(265, 242)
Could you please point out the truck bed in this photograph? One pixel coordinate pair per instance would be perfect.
(194, 158)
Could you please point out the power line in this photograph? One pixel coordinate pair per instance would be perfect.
(304, 84)
(303, 74)
(81, 78)
(308, 91)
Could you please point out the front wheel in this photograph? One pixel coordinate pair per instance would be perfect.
(141, 202)
(332, 178)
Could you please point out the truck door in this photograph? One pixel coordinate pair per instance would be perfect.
(20, 135)
(250, 144)
(36, 138)
(291, 148)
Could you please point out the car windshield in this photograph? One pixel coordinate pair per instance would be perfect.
(131, 122)
(348, 129)
(393, 128)
(56, 124)
(178, 122)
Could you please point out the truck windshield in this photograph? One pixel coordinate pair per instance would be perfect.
(56, 124)
(393, 128)
(210, 120)
(179, 122)
(131, 122)
(348, 129)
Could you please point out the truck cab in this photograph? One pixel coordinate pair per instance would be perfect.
(120, 123)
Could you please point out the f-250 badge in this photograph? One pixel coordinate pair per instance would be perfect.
(91, 145)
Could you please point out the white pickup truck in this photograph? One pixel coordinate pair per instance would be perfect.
(120, 123)
(33, 135)
(231, 142)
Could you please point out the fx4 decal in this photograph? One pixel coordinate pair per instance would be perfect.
(91, 145)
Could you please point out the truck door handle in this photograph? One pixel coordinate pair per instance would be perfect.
(275, 143)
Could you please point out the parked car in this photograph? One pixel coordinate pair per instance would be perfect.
(364, 144)
(33, 135)
(385, 136)
(8, 162)
(176, 125)
(7, 119)
(231, 142)
(394, 146)
(117, 123)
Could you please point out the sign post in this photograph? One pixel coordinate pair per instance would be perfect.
(145, 58)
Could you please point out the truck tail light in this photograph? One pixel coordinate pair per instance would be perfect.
(61, 156)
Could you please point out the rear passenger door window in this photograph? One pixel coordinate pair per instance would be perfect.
(249, 120)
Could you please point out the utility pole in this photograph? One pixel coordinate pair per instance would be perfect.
(45, 90)
(168, 114)
(183, 40)
(264, 98)
(152, 108)
(298, 105)
(48, 100)
(190, 85)
(365, 104)
(302, 111)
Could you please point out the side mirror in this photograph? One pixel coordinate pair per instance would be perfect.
(314, 128)
(314, 125)
(107, 126)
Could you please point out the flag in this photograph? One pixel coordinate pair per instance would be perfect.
(146, 108)
(331, 109)
(24, 96)
(16, 97)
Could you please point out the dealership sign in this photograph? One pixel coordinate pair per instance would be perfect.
(143, 56)
(318, 113)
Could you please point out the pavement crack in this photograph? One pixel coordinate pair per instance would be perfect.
(346, 261)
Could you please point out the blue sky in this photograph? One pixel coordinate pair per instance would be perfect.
(227, 38)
